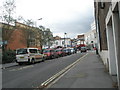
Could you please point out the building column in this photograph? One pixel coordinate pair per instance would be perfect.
(116, 34)
(111, 51)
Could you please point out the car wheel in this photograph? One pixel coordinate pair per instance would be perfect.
(43, 59)
(20, 63)
(33, 61)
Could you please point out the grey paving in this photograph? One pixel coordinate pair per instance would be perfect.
(9, 65)
(88, 73)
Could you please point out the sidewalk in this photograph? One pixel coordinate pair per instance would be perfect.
(8, 65)
(88, 73)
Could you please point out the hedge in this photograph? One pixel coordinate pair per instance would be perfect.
(8, 56)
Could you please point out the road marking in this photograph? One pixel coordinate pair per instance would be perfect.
(25, 67)
(57, 76)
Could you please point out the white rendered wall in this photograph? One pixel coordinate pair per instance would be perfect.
(111, 51)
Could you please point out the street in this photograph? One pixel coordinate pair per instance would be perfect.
(31, 76)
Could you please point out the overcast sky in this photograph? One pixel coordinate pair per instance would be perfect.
(71, 16)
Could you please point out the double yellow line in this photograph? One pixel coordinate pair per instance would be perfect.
(51, 79)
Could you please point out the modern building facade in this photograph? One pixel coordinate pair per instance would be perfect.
(107, 16)
(91, 37)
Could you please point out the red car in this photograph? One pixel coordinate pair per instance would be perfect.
(50, 53)
(59, 52)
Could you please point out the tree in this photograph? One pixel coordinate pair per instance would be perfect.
(40, 37)
(7, 17)
(47, 37)
(8, 9)
(29, 32)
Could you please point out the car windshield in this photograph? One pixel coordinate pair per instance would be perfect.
(46, 51)
(33, 50)
(83, 47)
(58, 50)
(64, 49)
(22, 51)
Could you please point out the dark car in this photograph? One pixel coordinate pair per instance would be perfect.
(67, 51)
(83, 49)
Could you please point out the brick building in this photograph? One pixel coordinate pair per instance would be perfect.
(22, 36)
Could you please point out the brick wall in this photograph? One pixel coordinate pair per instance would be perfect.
(17, 40)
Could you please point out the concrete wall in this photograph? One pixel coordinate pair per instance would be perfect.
(104, 55)
(111, 51)
(113, 37)
(116, 32)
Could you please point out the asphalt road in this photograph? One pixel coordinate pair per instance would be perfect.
(31, 76)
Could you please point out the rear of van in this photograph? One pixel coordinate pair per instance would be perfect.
(22, 55)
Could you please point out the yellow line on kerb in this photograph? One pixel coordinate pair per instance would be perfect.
(51, 79)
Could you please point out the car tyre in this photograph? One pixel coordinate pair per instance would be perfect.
(43, 59)
(20, 63)
(33, 61)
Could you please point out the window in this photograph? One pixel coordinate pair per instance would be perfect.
(56, 43)
(63, 42)
(46, 51)
(33, 50)
(102, 5)
(22, 51)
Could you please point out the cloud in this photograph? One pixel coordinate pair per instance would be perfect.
(78, 24)
(71, 16)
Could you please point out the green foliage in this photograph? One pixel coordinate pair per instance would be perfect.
(8, 56)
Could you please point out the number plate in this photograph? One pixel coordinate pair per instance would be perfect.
(21, 57)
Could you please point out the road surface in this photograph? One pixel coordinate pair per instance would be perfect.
(31, 76)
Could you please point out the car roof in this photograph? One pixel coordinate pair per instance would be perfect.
(59, 48)
(26, 48)
(49, 49)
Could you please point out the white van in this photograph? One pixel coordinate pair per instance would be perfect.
(29, 55)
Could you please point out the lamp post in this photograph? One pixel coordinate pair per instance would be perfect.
(38, 36)
(64, 39)
(38, 20)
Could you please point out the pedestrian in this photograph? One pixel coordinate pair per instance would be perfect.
(96, 50)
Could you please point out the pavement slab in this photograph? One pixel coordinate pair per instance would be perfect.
(9, 65)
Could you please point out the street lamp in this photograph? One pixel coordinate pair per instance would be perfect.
(64, 39)
(37, 38)
(38, 19)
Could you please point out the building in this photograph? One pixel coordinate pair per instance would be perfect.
(74, 42)
(64, 42)
(107, 19)
(80, 39)
(20, 36)
(91, 37)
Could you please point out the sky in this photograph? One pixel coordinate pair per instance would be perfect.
(71, 16)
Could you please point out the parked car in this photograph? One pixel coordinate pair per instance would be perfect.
(72, 50)
(50, 53)
(59, 52)
(83, 49)
(67, 51)
(28, 55)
